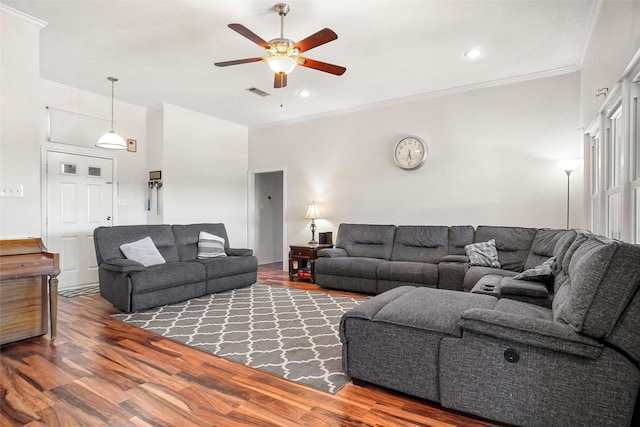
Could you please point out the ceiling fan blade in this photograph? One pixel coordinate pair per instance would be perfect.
(237, 62)
(244, 31)
(280, 80)
(314, 40)
(322, 66)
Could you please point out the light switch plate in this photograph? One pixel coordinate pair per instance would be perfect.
(12, 191)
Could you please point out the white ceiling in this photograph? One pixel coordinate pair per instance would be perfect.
(164, 50)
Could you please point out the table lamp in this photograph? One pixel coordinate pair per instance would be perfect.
(313, 212)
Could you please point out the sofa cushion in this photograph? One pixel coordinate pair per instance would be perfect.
(411, 272)
(366, 240)
(107, 240)
(540, 273)
(513, 244)
(483, 254)
(420, 243)
(142, 251)
(187, 237)
(545, 245)
(228, 266)
(167, 275)
(443, 315)
(210, 246)
(459, 237)
(348, 266)
(601, 284)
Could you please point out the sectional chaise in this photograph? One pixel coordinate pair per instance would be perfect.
(566, 359)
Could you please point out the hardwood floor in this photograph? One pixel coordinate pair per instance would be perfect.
(102, 372)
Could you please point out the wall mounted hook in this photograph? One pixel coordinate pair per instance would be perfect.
(602, 91)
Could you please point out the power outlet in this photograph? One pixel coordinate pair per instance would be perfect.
(12, 191)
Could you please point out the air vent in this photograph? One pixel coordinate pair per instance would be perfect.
(258, 92)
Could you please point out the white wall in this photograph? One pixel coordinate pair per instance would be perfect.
(615, 39)
(19, 115)
(492, 156)
(204, 171)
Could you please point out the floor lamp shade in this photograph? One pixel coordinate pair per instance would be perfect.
(569, 166)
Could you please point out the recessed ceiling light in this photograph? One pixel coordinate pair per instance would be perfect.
(473, 53)
(304, 93)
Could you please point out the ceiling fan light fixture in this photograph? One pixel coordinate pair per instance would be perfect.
(282, 64)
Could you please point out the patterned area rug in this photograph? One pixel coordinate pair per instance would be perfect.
(82, 290)
(287, 332)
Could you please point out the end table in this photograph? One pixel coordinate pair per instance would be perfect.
(301, 260)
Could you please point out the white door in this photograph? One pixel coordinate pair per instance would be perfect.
(79, 199)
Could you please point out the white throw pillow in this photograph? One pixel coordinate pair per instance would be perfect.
(483, 254)
(143, 251)
(210, 246)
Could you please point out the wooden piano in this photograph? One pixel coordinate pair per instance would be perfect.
(28, 290)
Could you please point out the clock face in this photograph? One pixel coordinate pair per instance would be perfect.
(410, 152)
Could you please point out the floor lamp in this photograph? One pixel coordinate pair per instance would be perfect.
(569, 166)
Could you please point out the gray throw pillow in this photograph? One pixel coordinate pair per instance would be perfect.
(210, 246)
(143, 251)
(483, 254)
(541, 273)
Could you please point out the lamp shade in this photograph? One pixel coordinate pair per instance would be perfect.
(281, 63)
(112, 141)
(569, 165)
(313, 212)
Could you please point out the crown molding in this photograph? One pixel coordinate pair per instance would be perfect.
(23, 16)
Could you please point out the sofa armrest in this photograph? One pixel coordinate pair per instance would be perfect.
(332, 253)
(238, 252)
(530, 331)
(510, 286)
(455, 258)
(122, 265)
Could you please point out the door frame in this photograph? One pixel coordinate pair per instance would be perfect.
(77, 151)
(251, 210)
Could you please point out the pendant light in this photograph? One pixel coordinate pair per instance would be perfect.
(111, 139)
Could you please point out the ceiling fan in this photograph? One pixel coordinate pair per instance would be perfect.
(283, 54)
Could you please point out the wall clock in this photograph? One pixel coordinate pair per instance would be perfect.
(410, 152)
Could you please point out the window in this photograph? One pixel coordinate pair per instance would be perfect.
(613, 158)
(613, 216)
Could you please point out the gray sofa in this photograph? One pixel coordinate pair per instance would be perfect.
(130, 286)
(376, 258)
(573, 364)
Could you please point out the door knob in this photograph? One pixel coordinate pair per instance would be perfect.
(108, 218)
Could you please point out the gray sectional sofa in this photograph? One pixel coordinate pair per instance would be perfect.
(130, 286)
(373, 259)
(574, 363)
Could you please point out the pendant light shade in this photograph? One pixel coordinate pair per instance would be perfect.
(111, 139)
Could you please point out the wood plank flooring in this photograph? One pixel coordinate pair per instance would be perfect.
(102, 372)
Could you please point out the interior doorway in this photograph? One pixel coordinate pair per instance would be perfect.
(267, 201)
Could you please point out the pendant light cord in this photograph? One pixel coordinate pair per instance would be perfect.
(113, 81)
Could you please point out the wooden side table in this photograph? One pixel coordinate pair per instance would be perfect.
(301, 260)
